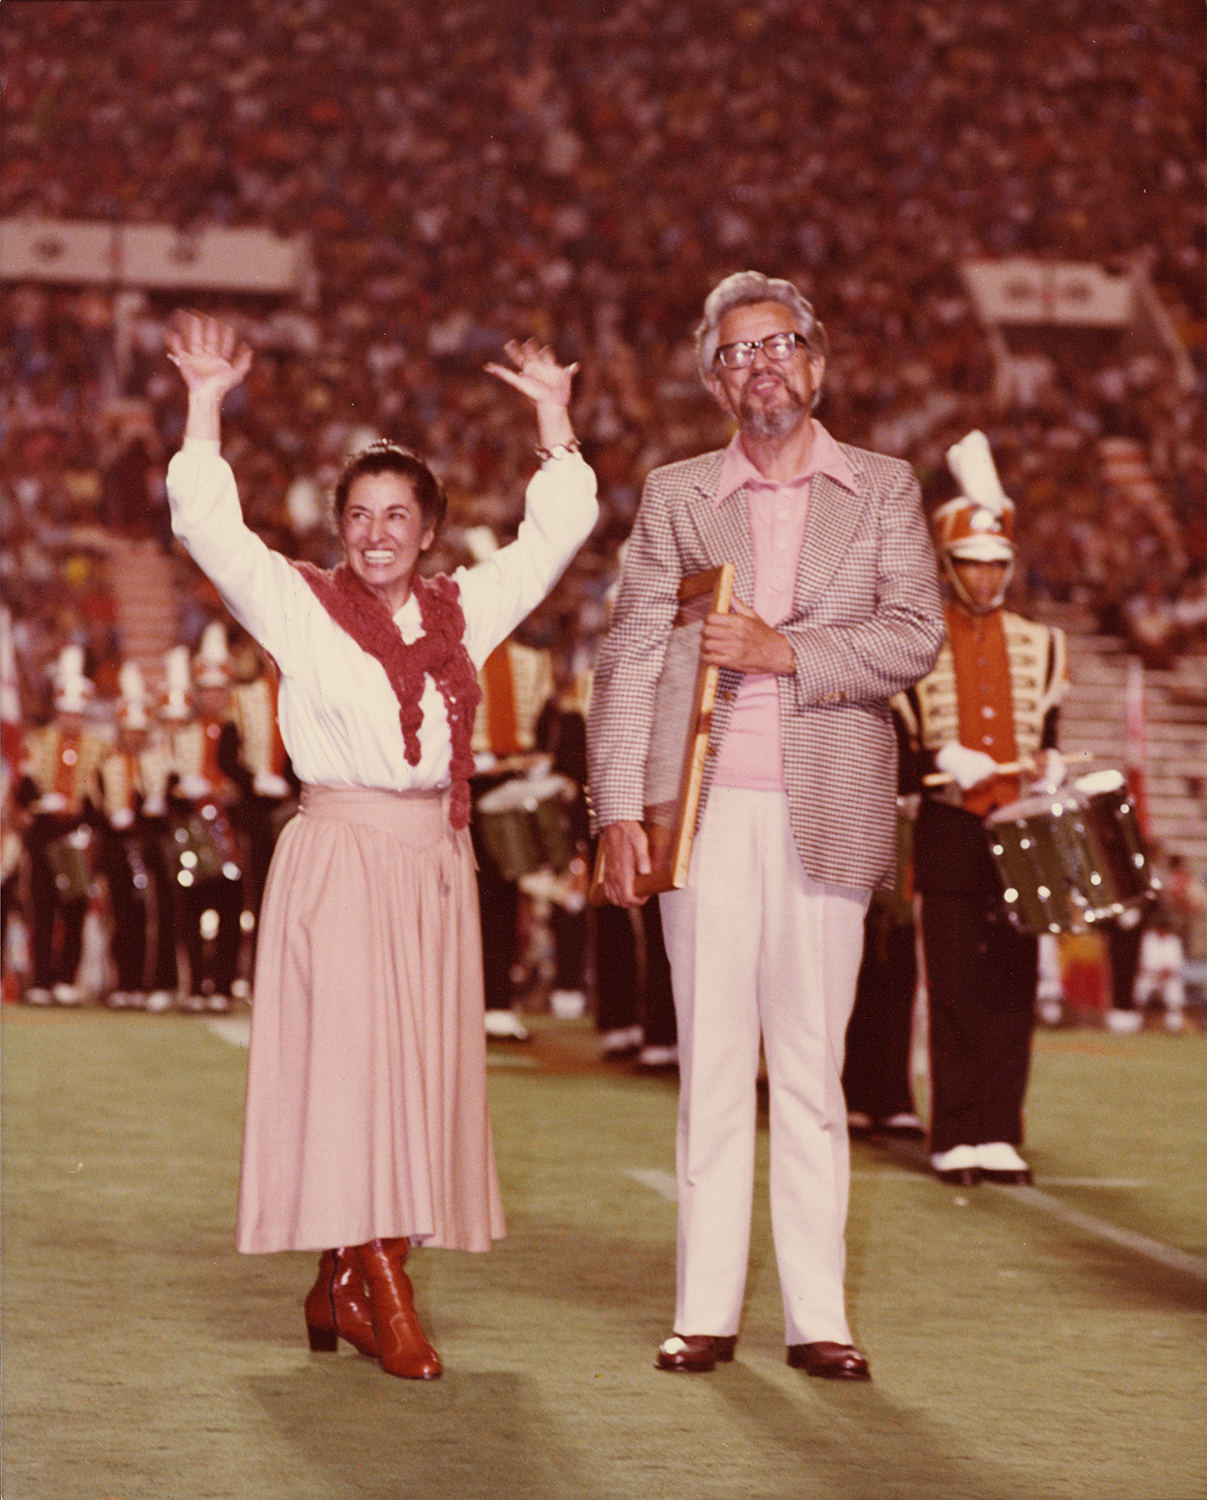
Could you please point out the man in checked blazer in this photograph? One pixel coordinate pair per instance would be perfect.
(836, 609)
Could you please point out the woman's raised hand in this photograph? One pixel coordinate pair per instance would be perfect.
(207, 353)
(537, 374)
(547, 385)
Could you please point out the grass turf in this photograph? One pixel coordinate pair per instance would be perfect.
(1016, 1356)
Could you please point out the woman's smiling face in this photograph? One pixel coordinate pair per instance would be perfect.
(384, 533)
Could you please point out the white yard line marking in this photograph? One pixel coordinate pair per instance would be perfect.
(1094, 1182)
(662, 1183)
(236, 1030)
(233, 1029)
(1139, 1244)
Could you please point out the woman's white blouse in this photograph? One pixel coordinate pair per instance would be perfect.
(337, 710)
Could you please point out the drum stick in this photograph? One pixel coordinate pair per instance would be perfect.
(943, 778)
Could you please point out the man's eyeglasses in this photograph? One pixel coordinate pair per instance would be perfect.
(779, 347)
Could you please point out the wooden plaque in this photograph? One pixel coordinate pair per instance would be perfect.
(682, 723)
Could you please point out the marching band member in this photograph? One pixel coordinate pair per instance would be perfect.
(516, 681)
(268, 784)
(209, 885)
(133, 785)
(59, 775)
(990, 701)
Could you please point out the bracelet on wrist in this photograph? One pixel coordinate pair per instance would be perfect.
(559, 450)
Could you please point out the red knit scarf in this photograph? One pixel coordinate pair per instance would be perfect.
(438, 653)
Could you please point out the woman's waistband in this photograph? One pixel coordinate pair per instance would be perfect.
(417, 816)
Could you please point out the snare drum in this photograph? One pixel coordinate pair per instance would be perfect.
(70, 858)
(1114, 830)
(1071, 858)
(201, 846)
(524, 824)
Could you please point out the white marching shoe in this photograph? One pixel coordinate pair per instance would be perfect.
(1000, 1162)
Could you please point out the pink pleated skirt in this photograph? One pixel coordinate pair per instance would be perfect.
(366, 1108)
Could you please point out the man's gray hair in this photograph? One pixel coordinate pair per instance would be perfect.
(740, 290)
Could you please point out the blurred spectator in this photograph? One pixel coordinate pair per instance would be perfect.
(481, 168)
(1184, 898)
(1161, 977)
(466, 172)
(128, 460)
(1152, 628)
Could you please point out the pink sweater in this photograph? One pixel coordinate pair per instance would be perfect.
(750, 755)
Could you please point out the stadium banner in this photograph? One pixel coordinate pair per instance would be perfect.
(50, 250)
(1068, 293)
(155, 257)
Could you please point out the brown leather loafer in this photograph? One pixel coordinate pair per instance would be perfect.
(829, 1361)
(695, 1354)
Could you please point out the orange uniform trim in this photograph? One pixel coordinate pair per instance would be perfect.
(986, 703)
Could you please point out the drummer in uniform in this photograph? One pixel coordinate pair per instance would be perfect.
(58, 777)
(516, 682)
(133, 783)
(265, 774)
(204, 794)
(991, 701)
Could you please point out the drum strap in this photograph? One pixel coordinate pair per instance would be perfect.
(65, 771)
(500, 702)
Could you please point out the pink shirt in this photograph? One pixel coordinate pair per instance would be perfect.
(751, 755)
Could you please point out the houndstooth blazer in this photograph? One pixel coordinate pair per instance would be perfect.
(866, 622)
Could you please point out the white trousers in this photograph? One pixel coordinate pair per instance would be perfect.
(756, 946)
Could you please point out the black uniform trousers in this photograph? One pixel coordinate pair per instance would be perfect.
(876, 1074)
(633, 973)
(141, 908)
(213, 961)
(981, 978)
(57, 911)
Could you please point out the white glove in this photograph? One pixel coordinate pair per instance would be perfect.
(194, 787)
(122, 818)
(967, 768)
(265, 784)
(1050, 769)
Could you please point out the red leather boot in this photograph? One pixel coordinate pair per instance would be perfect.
(402, 1346)
(337, 1305)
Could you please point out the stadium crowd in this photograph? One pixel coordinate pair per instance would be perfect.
(478, 171)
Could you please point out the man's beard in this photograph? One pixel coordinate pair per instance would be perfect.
(776, 423)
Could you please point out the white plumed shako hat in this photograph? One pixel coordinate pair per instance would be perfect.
(211, 666)
(177, 699)
(132, 706)
(72, 689)
(978, 525)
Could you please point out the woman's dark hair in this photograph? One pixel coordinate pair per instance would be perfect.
(384, 457)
